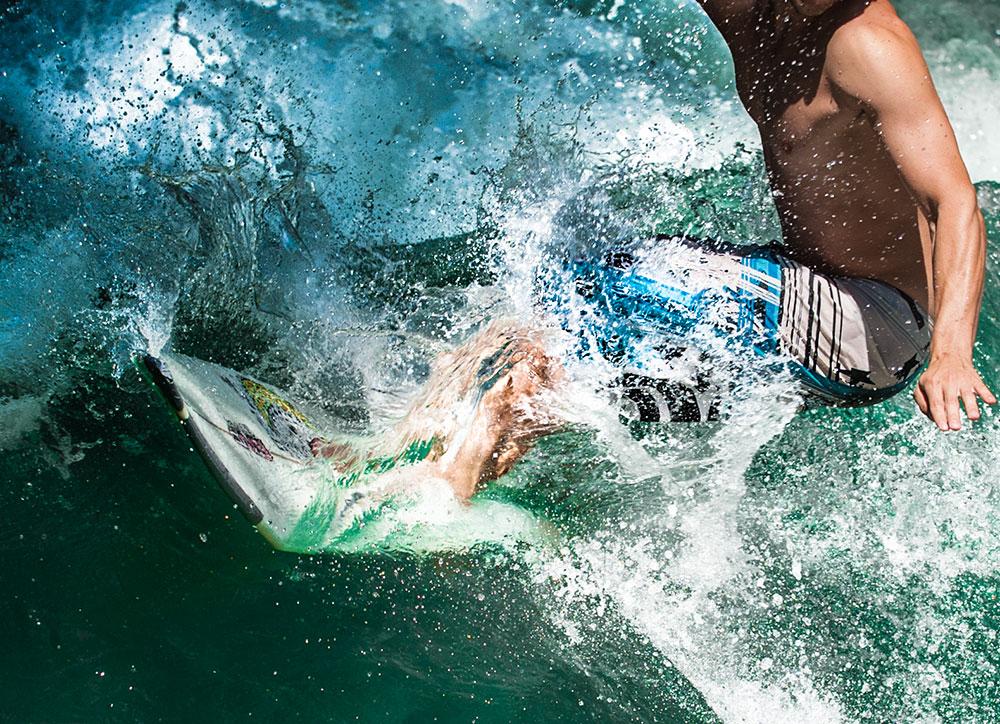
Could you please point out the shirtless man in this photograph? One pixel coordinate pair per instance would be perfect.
(865, 169)
(882, 229)
(882, 233)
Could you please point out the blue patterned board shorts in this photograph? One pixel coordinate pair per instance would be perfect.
(846, 341)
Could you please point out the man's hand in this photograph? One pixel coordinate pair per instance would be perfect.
(950, 377)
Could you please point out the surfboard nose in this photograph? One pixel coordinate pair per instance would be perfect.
(159, 373)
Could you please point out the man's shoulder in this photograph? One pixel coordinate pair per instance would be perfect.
(874, 46)
(871, 39)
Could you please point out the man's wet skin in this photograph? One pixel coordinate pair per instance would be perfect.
(511, 417)
(485, 405)
(843, 206)
(865, 170)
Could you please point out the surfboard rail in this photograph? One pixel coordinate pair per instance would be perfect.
(160, 375)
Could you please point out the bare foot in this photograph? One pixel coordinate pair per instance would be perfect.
(511, 417)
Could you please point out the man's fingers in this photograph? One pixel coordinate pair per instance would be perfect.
(938, 413)
(941, 395)
(971, 406)
(954, 413)
(984, 392)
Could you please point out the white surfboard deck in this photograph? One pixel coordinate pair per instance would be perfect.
(256, 443)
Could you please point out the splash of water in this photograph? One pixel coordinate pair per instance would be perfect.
(331, 195)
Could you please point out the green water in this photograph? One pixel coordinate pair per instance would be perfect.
(134, 593)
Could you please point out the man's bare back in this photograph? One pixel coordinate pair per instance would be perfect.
(866, 173)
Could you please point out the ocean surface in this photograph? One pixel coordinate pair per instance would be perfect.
(327, 194)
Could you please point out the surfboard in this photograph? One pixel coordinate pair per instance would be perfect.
(256, 441)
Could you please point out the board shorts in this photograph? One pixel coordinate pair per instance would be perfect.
(846, 341)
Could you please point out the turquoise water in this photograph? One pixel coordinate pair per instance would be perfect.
(325, 195)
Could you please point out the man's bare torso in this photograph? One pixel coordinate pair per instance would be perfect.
(843, 206)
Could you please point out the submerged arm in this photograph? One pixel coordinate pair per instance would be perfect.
(883, 69)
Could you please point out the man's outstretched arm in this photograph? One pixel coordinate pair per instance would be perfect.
(882, 68)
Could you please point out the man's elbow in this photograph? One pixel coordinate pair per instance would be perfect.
(957, 202)
(959, 217)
